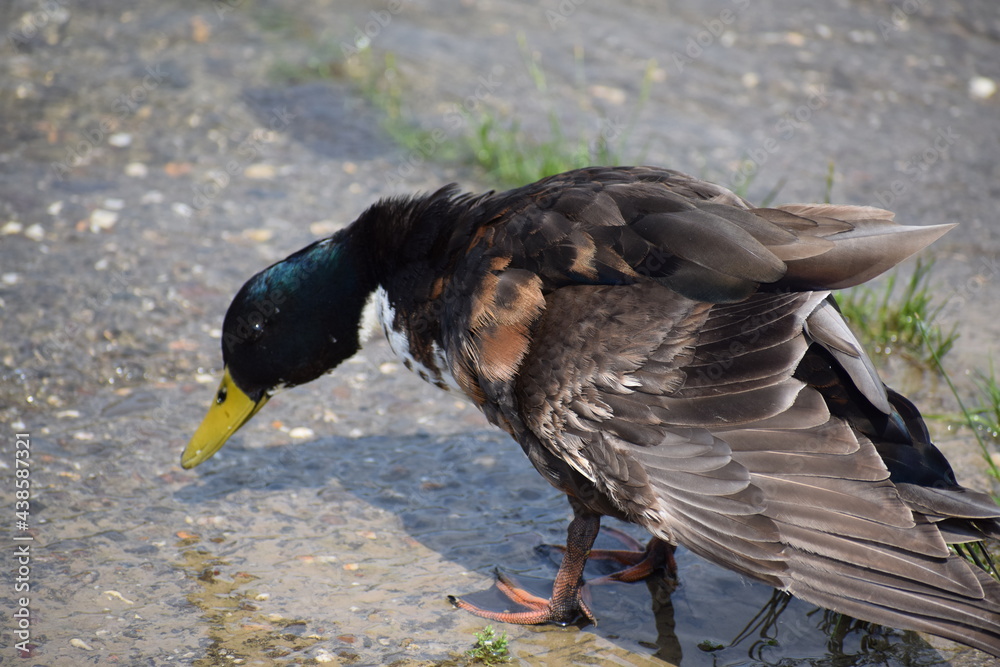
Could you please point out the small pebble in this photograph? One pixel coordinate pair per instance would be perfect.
(136, 170)
(795, 38)
(608, 94)
(182, 345)
(323, 228)
(102, 219)
(11, 227)
(55, 208)
(10, 278)
(301, 432)
(201, 30)
(982, 88)
(35, 232)
(83, 435)
(120, 139)
(76, 642)
(258, 235)
(182, 209)
(260, 171)
(114, 204)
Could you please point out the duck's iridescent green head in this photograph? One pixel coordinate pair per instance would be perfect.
(289, 324)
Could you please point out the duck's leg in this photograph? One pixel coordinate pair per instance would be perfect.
(641, 564)
(566, 604)
(640, 561)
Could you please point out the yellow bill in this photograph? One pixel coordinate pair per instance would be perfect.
(232, 408)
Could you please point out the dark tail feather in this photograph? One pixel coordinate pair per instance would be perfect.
(846, 588)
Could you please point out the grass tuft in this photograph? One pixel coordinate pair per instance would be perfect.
(985, 413)
(828, 191)
(983, 416)
(904, 324)
(493, 142)
(513, 157)
(490, 649)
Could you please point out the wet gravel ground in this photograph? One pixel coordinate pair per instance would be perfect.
(152, 158)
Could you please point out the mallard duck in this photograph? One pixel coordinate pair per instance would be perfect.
(665, 353)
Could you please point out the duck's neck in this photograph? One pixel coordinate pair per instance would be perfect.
(407, 243)
(397, 233)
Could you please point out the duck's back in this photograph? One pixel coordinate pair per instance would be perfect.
(668, 354)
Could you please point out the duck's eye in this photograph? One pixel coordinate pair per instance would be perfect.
(220, 398)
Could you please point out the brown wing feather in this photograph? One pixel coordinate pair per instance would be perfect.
(805, 505)
(621, 225)
(669, 322)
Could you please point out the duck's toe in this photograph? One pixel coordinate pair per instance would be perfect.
(566, 606)
(640, 562)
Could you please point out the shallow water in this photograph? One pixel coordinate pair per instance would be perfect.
(334, 526)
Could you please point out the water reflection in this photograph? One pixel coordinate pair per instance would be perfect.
(785, 632)
(476, 501)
